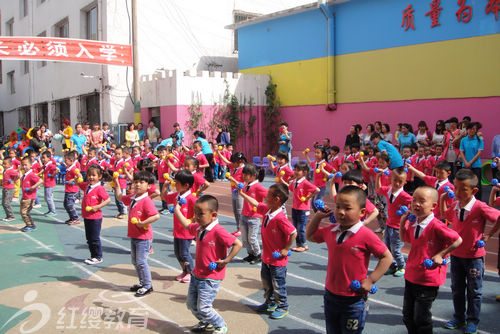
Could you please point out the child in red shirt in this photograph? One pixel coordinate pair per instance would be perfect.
(29, 184)
(468, 217)
(70, 187)
(212, 243)
(396, 198)
(10, 176)
(303, 191)
(350, 245)
(281, 170)
(250, 218)
(94, 199)
(319, 165)
(235, 176)
(142, 213)
(429, 239)
(182, 238)
(50, 171)
(278, 235)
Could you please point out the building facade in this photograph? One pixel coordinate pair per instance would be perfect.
(184, 35)
(345, 62)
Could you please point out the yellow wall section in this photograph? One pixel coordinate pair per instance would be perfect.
(461, 68)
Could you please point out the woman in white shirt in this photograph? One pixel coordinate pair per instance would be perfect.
(386, 133)
(438, 135)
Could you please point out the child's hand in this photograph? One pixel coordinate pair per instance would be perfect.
(283, 253)
(324, 213)
(366, 286)
(437, 259)
(221, 263)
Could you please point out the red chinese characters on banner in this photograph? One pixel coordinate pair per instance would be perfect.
(464, 13)
(408, 18)
(493, 6)
(434, 13)
(64, 49)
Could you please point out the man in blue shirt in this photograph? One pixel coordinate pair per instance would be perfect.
(79, 140)
(208, 153)
(406, 138)
(179, 133)
(395, 159)
(471, 148)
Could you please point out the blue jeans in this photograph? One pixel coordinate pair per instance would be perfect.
(121, 207)
(93, 235)
(181, 250)
(274, 282)
(69, 205)
(223, 170)
(318, 196)
(299, 220)
(344, 314)
(237, 202)
(201, 295)
(49, 198)
(139, 249)
(216, 171)
(249, 227)
(392, 241)
(164, 205)
(467, 273)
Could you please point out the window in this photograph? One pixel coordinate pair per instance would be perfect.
(26, 67)
(240, 17)
(62, 29)
(23, 8)
(10, 80)
(9, 27)
(91, 23)
(24, 116)
(42, 63)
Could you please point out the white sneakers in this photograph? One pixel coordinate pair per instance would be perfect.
(92, 261)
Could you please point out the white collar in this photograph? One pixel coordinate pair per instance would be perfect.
(273, 214)
(11, 167)
(186, 194)
(128, 159)
(73, 165)
(396, 194)
(442, 182)
(252, 183)
(423, 224)
(137, 199)
(335, 157)
(211, 225)
(353, 229)
(300, 180)
(468, 207)
(48, 163)
(28, 172)
(92, 187)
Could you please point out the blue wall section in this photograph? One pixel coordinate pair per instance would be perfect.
(361, 25)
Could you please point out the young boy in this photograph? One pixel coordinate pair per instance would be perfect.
(438, 182)
(182, 238)
(49, 181)
(396, 198)
(10, 176)
(141, 215)
(429, 239)
(468, 217)
(212, 243)
(197, 148)
(29, 184)
(118, 166)
(278, 234)
(71, 189)
(350, 245)
(162, 169)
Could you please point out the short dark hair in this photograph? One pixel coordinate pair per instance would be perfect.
(357, 192)
(303, 166)
(384, 156)
(353, 175)
(145, 164)
(335, 148)
(213, 204)
(281, 191)
(238, 157)
(375, 135)
(282, 155)
(47, 154)
(175, 124)
(252, 169)
(27, 159)
(466, 174)
(193, 161)
(400, 171)
(95, 168)
(144, 176)
(444, 165)
(185, 177)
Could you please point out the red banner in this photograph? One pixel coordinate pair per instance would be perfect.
(65, 49)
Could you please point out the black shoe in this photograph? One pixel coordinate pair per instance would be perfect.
(249, 258)
(143, 291)
(256, 259)
(135, 287)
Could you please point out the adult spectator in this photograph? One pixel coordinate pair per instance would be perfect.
(451, 146)
(153, 134)
(223, 137)
(438, 134)
(352, 137)
(46, 134)
(78, 140)
(365, 137)
(471, 148)
(422, 134)
(207, 152)
(107, 135)
(179, 133)
(378, 126)
(37, 143)
(394, 157)
(495, 146)
(141, 132)
(131, 136)
(406, 138)
(386, 134)
(285, 140)
(87, 131)
(96, 136)
(67, 132)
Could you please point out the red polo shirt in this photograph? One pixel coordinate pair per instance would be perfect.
(433, 182)
(49, 168)
(257, 192)
(402, 199)
(95, 196)
(28, 180)
(302, 189)
(10, 173)
(187, 210)
(142, 210)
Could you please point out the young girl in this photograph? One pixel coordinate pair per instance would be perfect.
(237, 162)
(303, 191)
(95, 198)
(319, 179)
(282, 170)
(250, 218)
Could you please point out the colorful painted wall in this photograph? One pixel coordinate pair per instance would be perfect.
(380, 71)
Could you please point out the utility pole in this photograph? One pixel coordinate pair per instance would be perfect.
(135, 60)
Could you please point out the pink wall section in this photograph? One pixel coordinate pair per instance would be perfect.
(313, 123)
